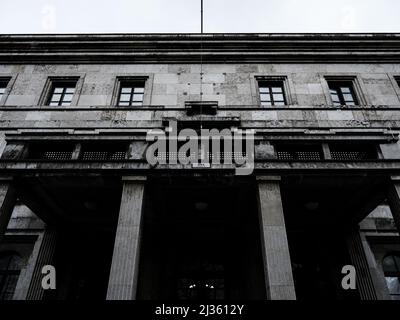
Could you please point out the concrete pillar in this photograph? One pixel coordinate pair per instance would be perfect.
(326, 151)
(7, 202)
(44, 257)
(136, 150)
(264, 150)
(275, 249)
(122, 283)
(14, 151)
(369, 282)
(394, 199)
(76, 153)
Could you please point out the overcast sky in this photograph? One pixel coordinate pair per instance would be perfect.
(180, 16)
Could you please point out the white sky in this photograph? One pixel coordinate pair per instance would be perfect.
(180, 16)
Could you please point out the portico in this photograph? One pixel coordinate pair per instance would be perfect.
(165, 234)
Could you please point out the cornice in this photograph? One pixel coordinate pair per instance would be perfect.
(186, 48)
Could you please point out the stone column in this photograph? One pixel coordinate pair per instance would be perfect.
(394, 200)
(369, 282)
(44, 257)
(122, 283)
(275, 249)
(14, 150)
(7, 202)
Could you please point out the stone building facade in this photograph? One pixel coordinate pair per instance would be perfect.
(77, 193)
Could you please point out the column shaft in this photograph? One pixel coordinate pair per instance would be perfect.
(394, 200)
(122, 283)
(44, 257)
(277, 266)
(364, 281)
(7, 203)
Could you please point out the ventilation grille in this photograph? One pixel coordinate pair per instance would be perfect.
(172, 156)
(103, 151)
(299, 153)
(103, 155)
(50, 152)
(54, 155)
(353, 152)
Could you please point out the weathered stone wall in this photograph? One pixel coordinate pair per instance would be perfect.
(232, 85)
(229, 84)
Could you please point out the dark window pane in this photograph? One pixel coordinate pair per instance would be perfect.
(335, 98)
(3, 86)
(393, 285)
(342, 93)
(276, 89)
(67, 97)
(137, 97)
(10, 266)
(345, 89)
(272, 93)
(389, 264)
(131, 95)
(136, 104)
(278, 97)
(125, 97)
(126, 90)
(265, 97)
(56, 97)
(348, 97)
(139, 90)
(397, 261)
(62, 94)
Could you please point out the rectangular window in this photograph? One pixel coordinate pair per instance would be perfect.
(272, 93)
(131, 94)
(342, 93)
(61, 93)
(3, 87)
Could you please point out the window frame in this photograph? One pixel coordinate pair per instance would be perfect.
(270, 92)
(4, 82)
(132, 86)
(357, 85)
(6, 273)
(140, 79)
(392, 274)
(64, 86)
(395, 79)
(51, 81)
(9, 79)
(280, 81)
(338, 85)
(396, 273)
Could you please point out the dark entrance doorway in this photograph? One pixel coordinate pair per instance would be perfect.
(201, 242)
